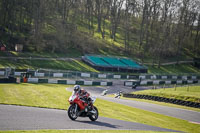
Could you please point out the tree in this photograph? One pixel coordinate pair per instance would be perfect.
(105, 14)
(144, 27)
(130, 9)
(197, 37)
(115, 14)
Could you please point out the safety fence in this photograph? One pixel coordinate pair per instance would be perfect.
(71, 75)
(68, 82)
(8, 80)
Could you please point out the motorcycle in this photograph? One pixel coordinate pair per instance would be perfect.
(104, 93)
(80, 108)
(118, 95)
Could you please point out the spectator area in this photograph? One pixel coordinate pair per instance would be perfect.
(111, 63)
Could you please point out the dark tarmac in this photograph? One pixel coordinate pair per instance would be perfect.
(29, 118)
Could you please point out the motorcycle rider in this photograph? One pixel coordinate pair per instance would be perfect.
(81, 104)
(83, 94)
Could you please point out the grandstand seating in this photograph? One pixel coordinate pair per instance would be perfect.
(97, 60)
(130, 63)
(114, 62)
(110, 63)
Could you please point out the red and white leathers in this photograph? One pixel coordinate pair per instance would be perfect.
(85, 95)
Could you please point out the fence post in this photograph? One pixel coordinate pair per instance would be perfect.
(175, 87)
(49, 74)
(154, 87)
(67, 75)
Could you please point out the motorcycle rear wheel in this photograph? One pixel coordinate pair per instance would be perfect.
(71, 113)
(95, 116)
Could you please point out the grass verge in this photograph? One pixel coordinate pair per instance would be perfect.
(159, 103)
(163, 103)
(186, 93)
(55, 96)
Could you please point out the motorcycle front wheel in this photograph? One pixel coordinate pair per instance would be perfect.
(94, 116)
(72, 113)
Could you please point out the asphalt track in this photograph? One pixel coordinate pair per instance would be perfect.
(192, 116)
(30, 118)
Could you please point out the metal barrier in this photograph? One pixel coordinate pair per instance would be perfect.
(48, 73)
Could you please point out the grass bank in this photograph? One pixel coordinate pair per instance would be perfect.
(174, 69)
(77, 65)
(56, 96)
(186, 93)
(73, 65)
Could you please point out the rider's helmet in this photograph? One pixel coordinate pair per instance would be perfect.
(77, 88)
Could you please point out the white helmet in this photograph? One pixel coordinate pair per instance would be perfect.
(77, 88)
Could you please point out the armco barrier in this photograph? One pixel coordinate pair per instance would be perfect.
(69, 82)
(163, 99)
(115, 76)
(69, 74)
(8, 80)
(2, 73)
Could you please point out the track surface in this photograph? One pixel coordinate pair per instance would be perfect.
(30, 118)
(189, 115)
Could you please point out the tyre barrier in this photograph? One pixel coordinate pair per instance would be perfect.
(160, 82)
(163, 99)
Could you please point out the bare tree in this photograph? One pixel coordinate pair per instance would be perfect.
(197, 38)
(106, 12)
(115, 13)
(144, 27)
(130, 9)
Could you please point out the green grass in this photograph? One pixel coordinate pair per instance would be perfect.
(77, 65)
(82, 131)
(187, 93)
(73, 65)
(47, 95)
(174, 69)
(161, 103)
(127, 113)
(55, 96)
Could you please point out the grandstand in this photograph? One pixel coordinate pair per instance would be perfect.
(115, 64)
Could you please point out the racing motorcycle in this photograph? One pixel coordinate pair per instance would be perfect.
(80, 108)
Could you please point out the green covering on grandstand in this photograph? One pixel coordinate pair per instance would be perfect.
(114, 61)
(130, 63)
(111, 63)
(97, 60)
